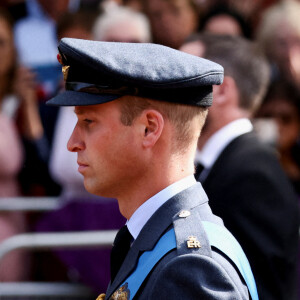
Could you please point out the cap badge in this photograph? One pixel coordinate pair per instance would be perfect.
(184, 214)
(65, 71)
(193, 242)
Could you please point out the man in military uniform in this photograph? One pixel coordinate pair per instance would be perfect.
(140, 110)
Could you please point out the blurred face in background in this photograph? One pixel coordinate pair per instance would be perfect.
(55, 8)
(125, 32)
(171, 21)
(287, 120)
(249, 7)
(76, 32)
(285, 50)
(223, 24)
(196, 48)
(7, 52)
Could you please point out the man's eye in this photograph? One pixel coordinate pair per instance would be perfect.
(88, 121)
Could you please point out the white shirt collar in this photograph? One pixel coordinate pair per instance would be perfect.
(219, 140)
(148, 208)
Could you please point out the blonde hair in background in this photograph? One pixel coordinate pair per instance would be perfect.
(114, 15)
(285, 11)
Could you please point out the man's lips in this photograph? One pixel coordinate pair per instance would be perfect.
(81, 166)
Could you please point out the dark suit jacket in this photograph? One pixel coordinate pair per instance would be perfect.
(247, 188)
(183, 273)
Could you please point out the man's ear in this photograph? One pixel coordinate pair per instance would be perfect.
(223, 93)
(153, 124)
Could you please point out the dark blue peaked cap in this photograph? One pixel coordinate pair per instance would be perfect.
(98, 72)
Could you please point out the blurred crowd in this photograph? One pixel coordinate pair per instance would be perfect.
(33, 136)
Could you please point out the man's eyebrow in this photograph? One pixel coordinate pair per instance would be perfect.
(78, 111)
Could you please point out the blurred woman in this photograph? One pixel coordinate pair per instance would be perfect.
(282, 104)
(14, 266)
(279, 36)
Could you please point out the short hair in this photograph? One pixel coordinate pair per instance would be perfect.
(117, 14)
(180, 115)
(243, 61)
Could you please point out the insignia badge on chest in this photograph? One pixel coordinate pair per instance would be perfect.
(101, 297)
(122, 293)
(193, 242)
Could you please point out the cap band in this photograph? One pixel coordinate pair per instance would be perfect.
(201, 94)
(100, 89)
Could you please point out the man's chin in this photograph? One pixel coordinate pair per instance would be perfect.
(94, 189)
(89, 187)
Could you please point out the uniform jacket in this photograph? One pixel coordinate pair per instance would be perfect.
(183, 273)
(247, 188)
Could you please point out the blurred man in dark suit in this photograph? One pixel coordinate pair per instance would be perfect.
(241, 176)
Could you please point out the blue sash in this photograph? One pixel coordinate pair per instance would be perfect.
(218, 237)
(222, 239)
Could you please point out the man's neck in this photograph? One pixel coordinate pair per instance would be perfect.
(151, 184)
(129, 204)
(216, 123)
(220, 139)
(149, 207)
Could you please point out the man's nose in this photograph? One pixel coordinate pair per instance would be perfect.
(75, 142)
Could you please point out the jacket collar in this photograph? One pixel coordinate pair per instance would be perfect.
(155, 227)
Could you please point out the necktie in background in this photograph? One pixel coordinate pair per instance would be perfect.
(119, 250)
(201, 172)
(199, 169)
